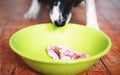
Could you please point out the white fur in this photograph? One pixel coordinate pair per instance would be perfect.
(82, 3)
(55, 15)
(91, 15)
(33, 10)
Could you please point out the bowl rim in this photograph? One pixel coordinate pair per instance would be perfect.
(95, 57)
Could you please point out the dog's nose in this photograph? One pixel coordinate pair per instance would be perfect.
(59, 24)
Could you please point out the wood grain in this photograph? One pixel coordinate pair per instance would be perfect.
(111, 26)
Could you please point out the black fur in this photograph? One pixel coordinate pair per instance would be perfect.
(66, 2)
(65, 8)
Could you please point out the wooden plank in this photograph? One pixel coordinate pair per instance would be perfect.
(78, 15)
(1, 58)
(5, 9)
(110, 24)
(11, 63)
(109, 11)
(111, 60)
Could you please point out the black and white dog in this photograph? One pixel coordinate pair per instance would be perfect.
(60, 11)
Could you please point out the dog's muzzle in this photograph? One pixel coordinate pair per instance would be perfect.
(57, 17)
(60, 20)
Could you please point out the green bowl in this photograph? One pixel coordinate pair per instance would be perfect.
(31, 43)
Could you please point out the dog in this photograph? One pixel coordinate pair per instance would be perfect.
(60, 11)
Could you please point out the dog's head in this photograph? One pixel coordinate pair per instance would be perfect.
(60, 13)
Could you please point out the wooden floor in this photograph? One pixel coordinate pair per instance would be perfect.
(11, 20)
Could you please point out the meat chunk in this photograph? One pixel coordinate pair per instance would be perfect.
(64, 53)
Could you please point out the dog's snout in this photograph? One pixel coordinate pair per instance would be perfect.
(60, 14)
(59, 24)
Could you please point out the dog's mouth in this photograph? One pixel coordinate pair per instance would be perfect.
(58, 14)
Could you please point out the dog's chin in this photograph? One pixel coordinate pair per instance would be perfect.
(60, 22)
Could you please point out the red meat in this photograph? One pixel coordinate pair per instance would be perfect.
(64, 53)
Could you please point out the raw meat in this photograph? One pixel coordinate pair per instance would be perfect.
(64, 53)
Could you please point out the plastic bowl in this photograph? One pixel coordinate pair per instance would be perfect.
(31, 43)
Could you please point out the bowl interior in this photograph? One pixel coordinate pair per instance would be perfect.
(32, 42)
